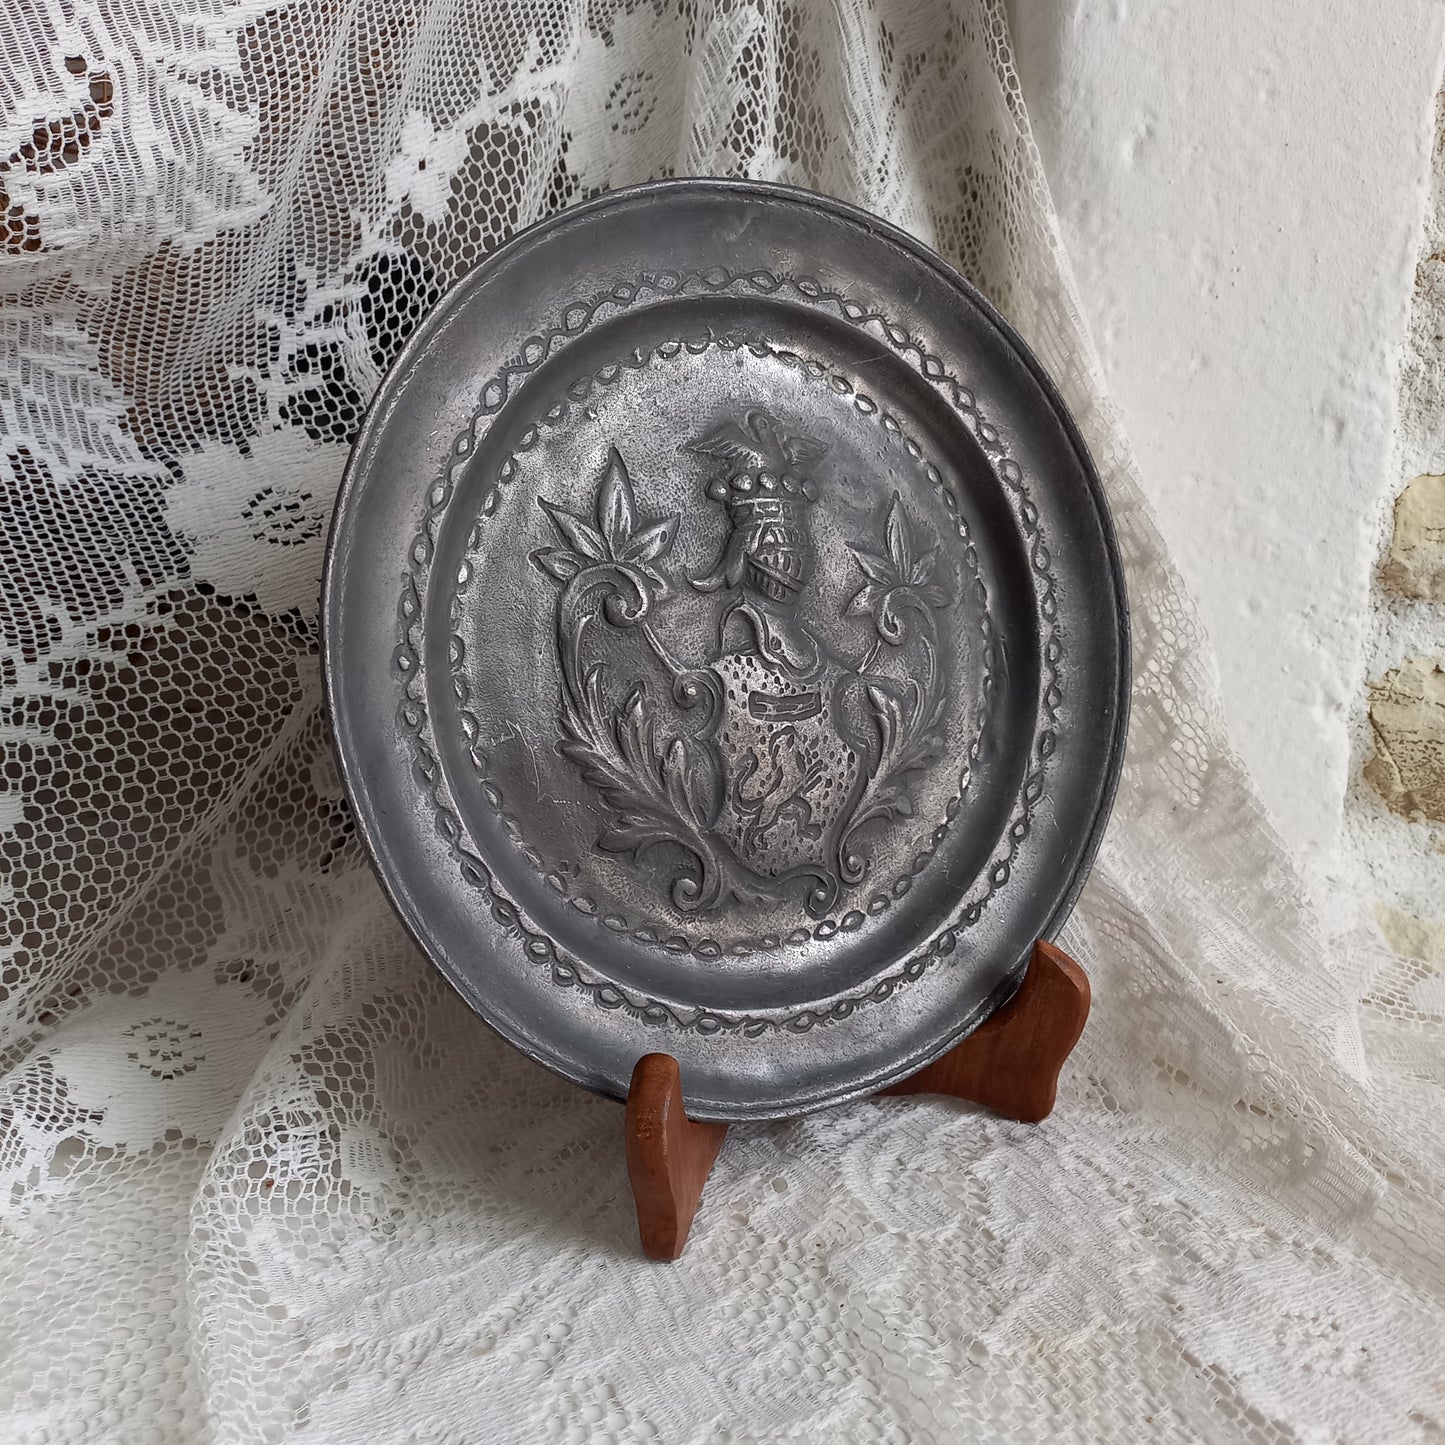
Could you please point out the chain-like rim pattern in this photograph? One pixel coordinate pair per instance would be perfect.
(412, 714)
(646, 934)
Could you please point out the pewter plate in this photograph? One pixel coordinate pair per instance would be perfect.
(726, 646)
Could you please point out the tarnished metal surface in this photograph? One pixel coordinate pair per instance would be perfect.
(726, 646)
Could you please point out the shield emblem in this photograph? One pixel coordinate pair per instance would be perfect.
(788, 773)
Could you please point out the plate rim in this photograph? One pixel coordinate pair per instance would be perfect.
(389, 394)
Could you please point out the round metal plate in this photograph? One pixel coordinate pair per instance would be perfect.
(726, 646)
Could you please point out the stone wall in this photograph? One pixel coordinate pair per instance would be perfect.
(1395, 807)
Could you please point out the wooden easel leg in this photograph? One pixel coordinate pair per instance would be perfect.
(1011, 1062)
(669, 1156)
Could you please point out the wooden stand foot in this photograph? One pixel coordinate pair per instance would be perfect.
(669, 1156)
(1009, 1064)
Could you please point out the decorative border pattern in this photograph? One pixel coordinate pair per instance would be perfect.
(826, 928)
(412, 718)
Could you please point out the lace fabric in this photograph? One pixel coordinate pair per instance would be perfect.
(264, 1177)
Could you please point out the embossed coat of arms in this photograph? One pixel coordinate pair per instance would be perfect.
(769, 762)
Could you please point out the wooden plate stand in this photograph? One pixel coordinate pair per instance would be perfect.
(1009, 1064)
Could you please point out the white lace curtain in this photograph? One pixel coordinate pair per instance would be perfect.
(262, 1177)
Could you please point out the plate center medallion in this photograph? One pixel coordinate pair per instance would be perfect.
(768, 758)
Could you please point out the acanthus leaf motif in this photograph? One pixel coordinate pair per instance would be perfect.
(887, 715)
(878, 569)
(616, 505)
(897, 581)
(618, 536)
(899, 537)
(582, 537)
(653, 542)
(902, 598)
(557, 562)
(674, 778)
(658, 788)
